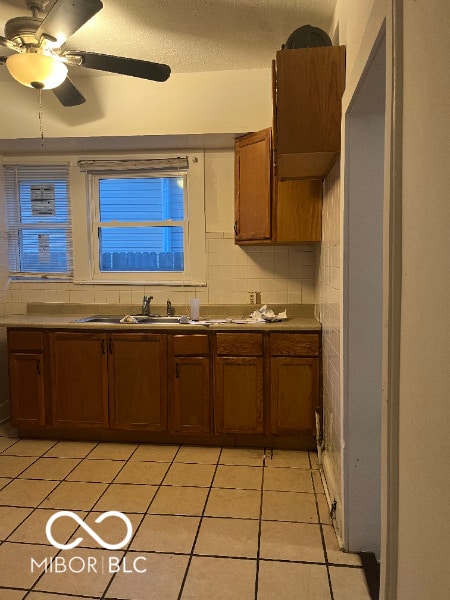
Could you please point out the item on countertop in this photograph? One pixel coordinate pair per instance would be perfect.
(266, 314)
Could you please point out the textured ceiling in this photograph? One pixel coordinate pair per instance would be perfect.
(190, 35)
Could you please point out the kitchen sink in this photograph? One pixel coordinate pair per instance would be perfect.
(144, 319)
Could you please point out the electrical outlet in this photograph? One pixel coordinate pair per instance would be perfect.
(254, 297)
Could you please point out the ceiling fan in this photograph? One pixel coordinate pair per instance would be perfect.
(40, 60)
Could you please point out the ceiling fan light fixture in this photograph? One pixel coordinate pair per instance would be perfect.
(36, 70)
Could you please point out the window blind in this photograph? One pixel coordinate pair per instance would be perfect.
(37, 201)
(151, 164)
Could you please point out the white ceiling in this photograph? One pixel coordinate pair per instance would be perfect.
(190, 35)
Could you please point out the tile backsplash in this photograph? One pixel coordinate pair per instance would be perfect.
(282, 274)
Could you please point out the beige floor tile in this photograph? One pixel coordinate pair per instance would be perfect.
(289, 506)
(69, 449)
(228, 537)
(11, 466)
(190, 475)
(291, 541)
(166, 533)
(90, 581)
(100, 471)
(4, 481)
(161, 581)
(220, 579)
(334, 553)
(12, 594)
(239, 477)
(50, 468)
(179, 501)
(111, 530)
(324, 510)
(26, 492)
(10, 518)
(349, 584)
(150, 473)
(6, 442)
(20, 555)
(30, 447)
(112, 451)
(290, 581)
(313, 459)
(288, 480)
(201, 455)
(288, 458)
(251, 457)
(317, 479)
(244, 504)
(127, 498)
(71, 495)
(32, 530)
(154, 453)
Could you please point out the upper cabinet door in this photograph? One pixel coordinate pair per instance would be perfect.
(253, 186)
(308, 88)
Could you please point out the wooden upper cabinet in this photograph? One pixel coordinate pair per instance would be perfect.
(308, 86)
(268, 210)
(253, 186)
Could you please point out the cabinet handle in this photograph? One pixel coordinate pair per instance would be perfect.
(110, 346)
(38, 366)
(236, 229)
(177, 369)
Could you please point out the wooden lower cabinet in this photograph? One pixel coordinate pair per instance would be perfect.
(189, 384)
(137, 381)
(78, 379)
(217, 387)
(295, 382)
(239, 383)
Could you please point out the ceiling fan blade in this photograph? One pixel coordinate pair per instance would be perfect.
(66, 17)
(68, 94)
(123, 66)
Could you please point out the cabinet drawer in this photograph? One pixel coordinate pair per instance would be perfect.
(190, 345)
(240, 344)
(294, 344)
(19, 340)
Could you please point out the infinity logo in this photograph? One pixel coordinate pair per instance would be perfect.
(97, 538)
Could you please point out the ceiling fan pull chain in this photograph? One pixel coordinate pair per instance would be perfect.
(41, 124)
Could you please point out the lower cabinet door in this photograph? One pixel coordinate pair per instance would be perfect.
(191, 395)
(238, 401)
(137, 381)
(295, 394)
(78, 374)
(26, 378)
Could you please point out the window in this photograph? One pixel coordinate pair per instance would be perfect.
(146, 220)
(38, 220)
(141, 223)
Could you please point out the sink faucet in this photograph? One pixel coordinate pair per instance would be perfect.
(169, 308)
(146, 305)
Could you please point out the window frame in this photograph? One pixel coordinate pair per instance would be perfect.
(87, 268)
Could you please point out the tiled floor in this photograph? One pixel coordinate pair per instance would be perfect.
(207, 523)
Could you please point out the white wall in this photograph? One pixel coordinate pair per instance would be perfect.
(188, 103)
(424, 410)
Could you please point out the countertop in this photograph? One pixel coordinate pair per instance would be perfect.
(58, 317)
(43, 321)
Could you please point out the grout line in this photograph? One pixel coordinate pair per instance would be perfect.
(183, 582)
(258, 551)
